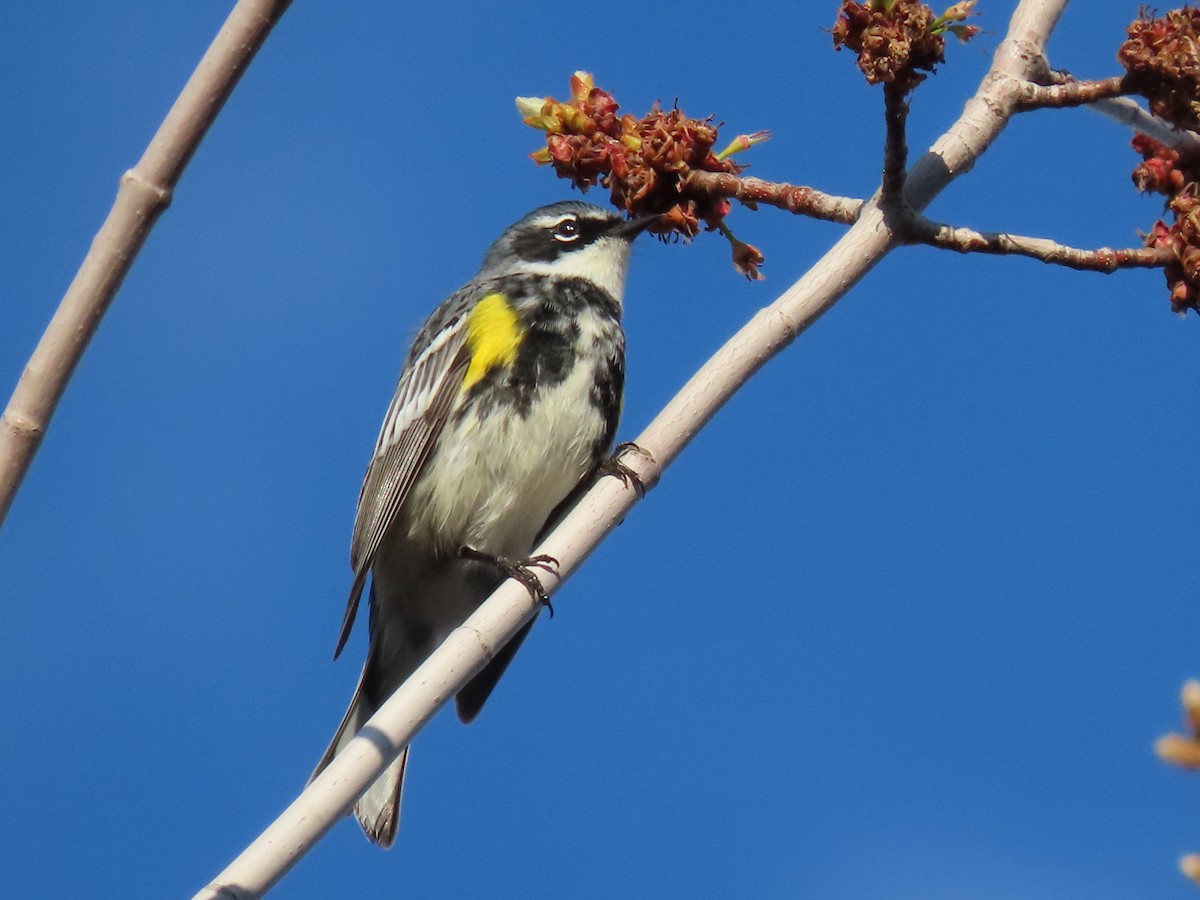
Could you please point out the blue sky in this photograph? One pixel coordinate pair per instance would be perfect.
(904, 621)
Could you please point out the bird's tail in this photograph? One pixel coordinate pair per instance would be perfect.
(378, 810)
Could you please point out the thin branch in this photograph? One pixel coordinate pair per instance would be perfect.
(145, 191)
(793, 198)
(1127, 111)
(1069, 93)
(606, 504)
(921, 230)
(895, 150)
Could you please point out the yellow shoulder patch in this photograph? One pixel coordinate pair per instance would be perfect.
(494, 332)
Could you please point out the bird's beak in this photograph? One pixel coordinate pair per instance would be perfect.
(631, 229)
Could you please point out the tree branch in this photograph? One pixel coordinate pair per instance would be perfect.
(606, 504)
(1127, 111)
(1069, 93)
(895, 150)
(921, 230)
(145, 191)
(793, 198)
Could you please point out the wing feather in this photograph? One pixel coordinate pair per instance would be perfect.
(431, 381)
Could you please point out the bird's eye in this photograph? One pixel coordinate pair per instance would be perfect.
(566, 231)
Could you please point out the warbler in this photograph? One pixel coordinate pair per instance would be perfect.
(508, 399)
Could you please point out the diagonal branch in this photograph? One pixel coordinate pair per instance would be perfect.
(144, 193)
(475, 642)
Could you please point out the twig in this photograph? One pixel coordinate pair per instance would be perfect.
(1127, 111)
(470, 646)
(1069, 93)
(145, 191)
(921, 230)
(793, 198)
(895, 151)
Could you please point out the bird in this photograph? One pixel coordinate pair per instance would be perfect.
(507, 403)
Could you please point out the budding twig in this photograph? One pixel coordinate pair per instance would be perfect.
(920, 230)
(1069, 93)
(793, 198)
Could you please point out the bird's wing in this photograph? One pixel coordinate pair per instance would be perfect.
(431, 380)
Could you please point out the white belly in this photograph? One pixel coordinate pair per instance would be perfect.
(492, 483)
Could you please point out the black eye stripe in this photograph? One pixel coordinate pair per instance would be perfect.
(586, 231)
(539, 243)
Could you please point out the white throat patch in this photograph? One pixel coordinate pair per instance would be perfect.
(603, 261)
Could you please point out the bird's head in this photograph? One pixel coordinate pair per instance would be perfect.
(570, 239)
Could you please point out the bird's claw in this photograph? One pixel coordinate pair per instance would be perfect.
(617, 469)
(520, 570)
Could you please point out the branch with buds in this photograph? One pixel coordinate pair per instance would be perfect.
(920, 230)
(663, 163)
(644, 163)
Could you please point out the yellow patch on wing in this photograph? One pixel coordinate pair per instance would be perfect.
(494, 332)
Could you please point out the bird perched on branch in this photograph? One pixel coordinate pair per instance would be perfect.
(508, 399)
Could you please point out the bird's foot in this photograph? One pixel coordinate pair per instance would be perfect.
(617, 469)
(521, 570)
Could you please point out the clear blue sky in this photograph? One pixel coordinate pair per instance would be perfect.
(903, 622)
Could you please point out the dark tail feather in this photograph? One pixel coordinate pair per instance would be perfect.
(471, 698)
(378, 810)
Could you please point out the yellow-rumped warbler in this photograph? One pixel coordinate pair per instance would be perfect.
(508, 399)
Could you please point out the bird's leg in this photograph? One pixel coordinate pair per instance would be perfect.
(617, 469)
(520, 570)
